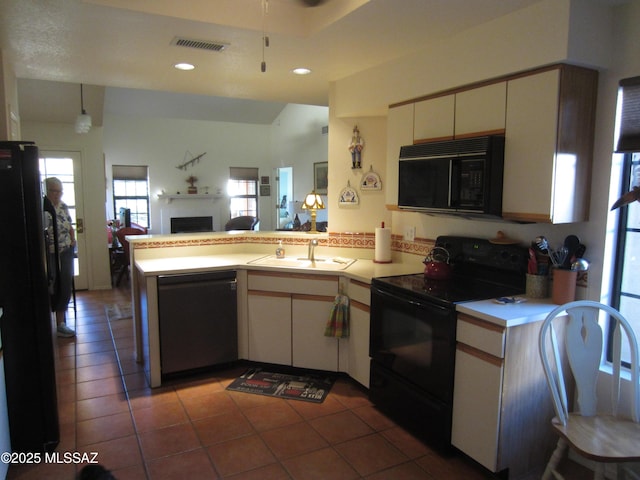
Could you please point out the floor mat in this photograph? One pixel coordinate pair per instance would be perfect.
(117, 312)
(308, 387)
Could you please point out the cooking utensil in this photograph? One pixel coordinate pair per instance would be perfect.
(542, 243)
(571, 243)
(580, 251)
(580, 265)
(532, 266)
(437, 265)
(558, 257)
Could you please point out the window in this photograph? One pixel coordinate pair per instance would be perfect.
(243, 191)
(131, 190)
(626, 281)
(626, 288)
(61, 168)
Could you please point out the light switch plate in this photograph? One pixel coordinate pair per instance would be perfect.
(409, 233)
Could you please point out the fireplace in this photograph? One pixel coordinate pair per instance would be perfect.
(191, 224)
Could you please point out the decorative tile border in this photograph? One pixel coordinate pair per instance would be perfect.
(365, 240)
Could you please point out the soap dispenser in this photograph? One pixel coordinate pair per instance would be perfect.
(280, 250)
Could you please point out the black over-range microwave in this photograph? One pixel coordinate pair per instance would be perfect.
(453, 176)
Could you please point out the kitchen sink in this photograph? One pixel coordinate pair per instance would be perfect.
(320, 263)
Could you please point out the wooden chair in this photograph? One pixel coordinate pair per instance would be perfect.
(125, 259)
(602, 433)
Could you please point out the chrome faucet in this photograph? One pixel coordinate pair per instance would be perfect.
(312, 246)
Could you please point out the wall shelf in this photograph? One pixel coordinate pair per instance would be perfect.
(186, 196)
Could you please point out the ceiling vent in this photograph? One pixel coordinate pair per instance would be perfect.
(199, 44)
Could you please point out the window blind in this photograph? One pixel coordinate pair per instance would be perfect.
(629, 139)
(130, 172)
(243, 173)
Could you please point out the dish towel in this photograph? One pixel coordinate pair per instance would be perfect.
(338, 324)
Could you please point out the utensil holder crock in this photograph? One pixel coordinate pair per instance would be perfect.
(564, 286)
(537, 286)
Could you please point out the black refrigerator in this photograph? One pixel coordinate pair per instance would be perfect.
(27, 279)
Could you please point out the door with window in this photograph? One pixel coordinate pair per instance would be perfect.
(284, 196)
(67, 166)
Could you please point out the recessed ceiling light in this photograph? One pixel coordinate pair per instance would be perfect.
(301, 71)
(184, 66)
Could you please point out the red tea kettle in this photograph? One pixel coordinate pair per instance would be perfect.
(437, 266)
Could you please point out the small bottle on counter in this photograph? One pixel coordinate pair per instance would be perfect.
(280, 250)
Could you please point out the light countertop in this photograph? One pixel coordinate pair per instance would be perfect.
(362, 270)
(506, 315)
(510, 314)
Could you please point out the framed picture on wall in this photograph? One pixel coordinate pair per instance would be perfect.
(265, 190)
(320, 177)
(264, 180)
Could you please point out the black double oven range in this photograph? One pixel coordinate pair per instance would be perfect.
(413, 331)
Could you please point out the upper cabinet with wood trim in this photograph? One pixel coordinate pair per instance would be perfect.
(481, 111)
(548, 118)
(399, 133)
(549, 145)
(471, 112)
(434, 119)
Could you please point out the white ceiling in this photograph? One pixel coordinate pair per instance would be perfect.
(127, 44)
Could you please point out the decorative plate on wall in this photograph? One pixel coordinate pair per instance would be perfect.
(371, 181)
(348, 196)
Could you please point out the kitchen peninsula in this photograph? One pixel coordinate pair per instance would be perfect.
(263, 289)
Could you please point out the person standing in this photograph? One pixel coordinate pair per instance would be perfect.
(66, 247)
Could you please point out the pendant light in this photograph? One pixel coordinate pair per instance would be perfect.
(265, 36)
(83, 121)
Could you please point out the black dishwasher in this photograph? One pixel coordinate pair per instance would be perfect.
(198, 321)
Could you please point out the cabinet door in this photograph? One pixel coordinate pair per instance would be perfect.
(269, 319)
(476, 405)
(529, 160)
(311, 349)
(434, 119)
(481, 110)
(358, 344)
(399, 133)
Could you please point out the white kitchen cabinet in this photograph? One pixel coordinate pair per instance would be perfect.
(269, 318)
(476, 406)
(549, 145)
(354, 350)
(287, 316)
(434, 119)
(358, 345)
(399, 133)
(311, 349)
(501, 404)
(481, 110)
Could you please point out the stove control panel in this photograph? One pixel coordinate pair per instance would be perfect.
(481, 252)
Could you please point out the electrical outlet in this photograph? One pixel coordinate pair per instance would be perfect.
(409, 233)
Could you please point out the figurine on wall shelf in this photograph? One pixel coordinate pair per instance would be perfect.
(355, 147)
(192, 188)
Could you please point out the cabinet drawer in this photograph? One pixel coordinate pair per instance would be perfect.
(360, 292)
(484, 336)
(293, 283)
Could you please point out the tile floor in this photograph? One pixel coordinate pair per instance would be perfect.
(195, 429)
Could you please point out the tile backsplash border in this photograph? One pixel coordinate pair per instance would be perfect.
(364, 240)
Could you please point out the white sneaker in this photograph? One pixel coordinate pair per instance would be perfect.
(64, 331)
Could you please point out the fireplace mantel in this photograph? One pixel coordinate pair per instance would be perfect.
(186, 196)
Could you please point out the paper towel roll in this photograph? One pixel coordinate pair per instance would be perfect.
(382, 246)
